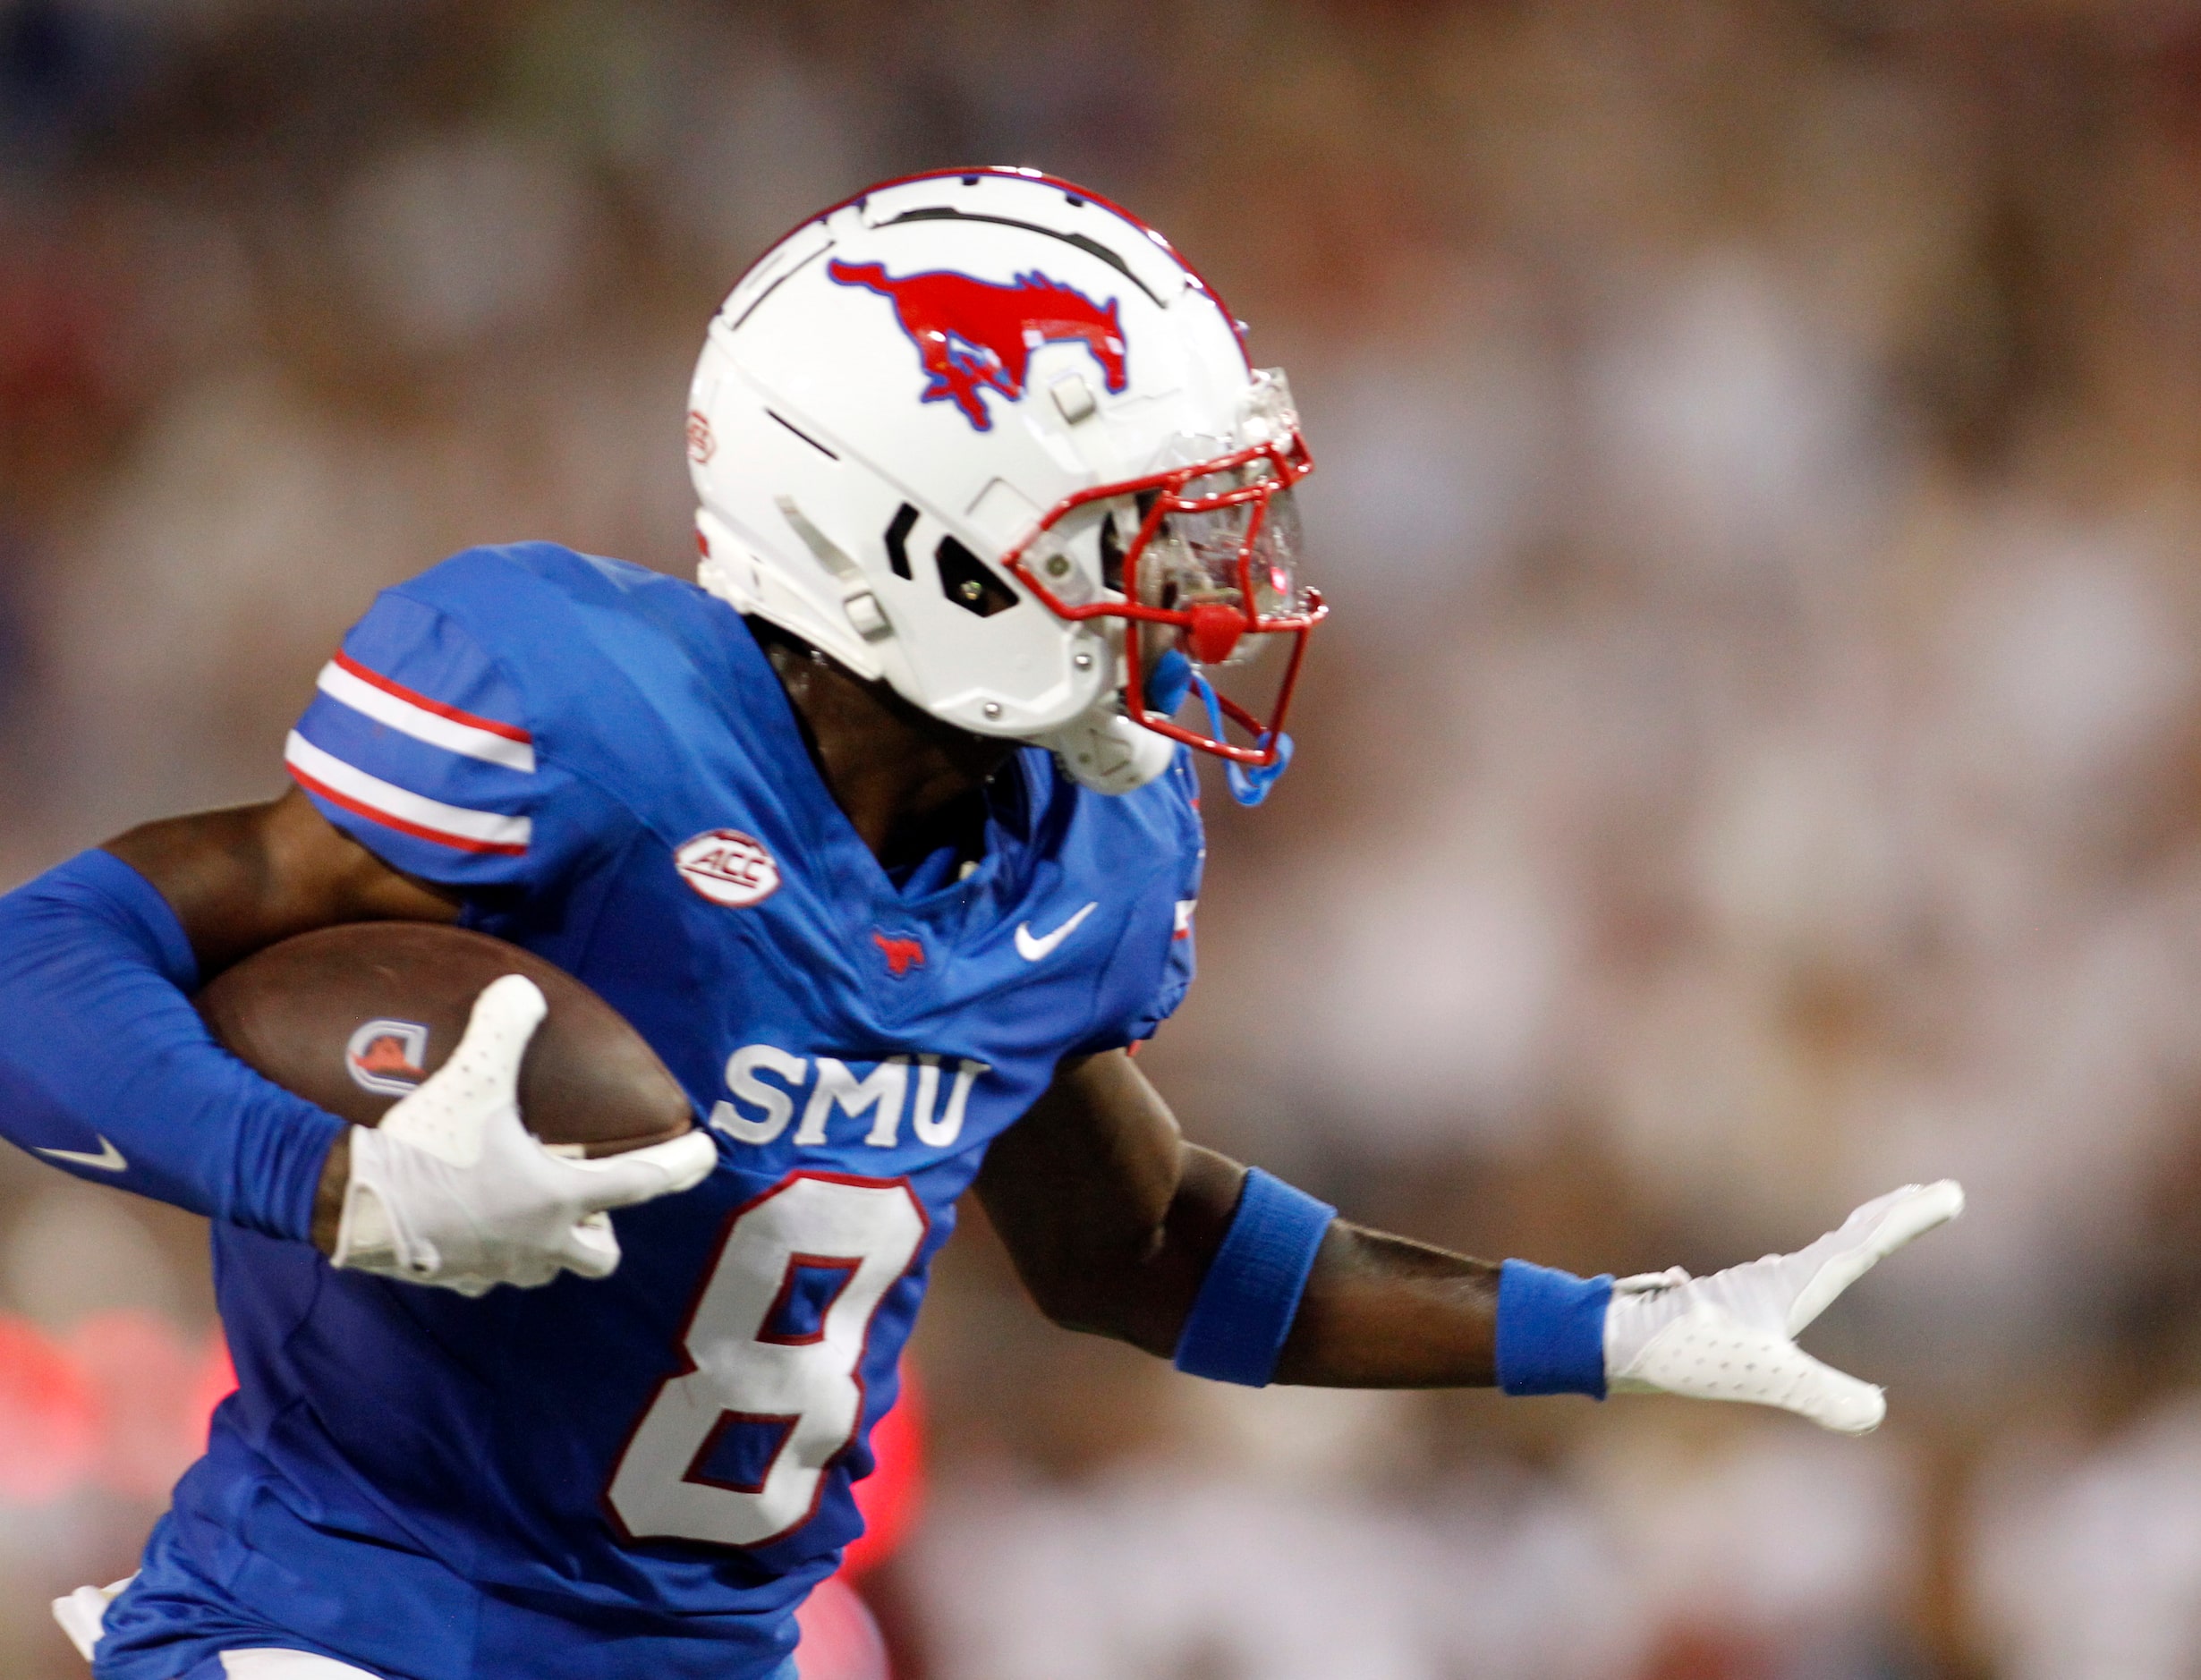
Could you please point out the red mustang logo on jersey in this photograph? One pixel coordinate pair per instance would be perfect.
(973, 333)
(902, 952)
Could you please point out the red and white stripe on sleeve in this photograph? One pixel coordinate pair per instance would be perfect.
(416, 814)
(388, 701)
(414, 765)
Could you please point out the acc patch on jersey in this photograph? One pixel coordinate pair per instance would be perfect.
(728, 868)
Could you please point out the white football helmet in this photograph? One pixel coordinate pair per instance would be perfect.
(961, 431)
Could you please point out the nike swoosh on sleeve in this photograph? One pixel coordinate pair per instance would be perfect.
(1038, 949)
(109, 1159)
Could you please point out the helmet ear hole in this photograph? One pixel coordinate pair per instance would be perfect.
(970, 583)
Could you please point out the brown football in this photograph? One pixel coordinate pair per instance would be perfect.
(352, 1018)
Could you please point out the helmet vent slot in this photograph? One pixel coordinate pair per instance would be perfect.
(804, 436)
(970, 583)
(1086, 243)
(897, 539)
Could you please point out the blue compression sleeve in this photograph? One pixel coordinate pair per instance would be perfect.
(107, 1071)
(1251, 1294)
(1551, 1331)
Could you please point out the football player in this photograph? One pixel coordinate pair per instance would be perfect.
(886, 833)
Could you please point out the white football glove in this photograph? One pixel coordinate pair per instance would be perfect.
(1732, 1336)
(451, 1189)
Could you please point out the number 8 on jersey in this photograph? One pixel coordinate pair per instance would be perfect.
(773, 1347)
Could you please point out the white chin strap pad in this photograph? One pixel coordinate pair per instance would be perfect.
(1106, 752)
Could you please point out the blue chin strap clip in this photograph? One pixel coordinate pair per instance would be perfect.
(1168, 681)
(1249, 784)
(1167, 684)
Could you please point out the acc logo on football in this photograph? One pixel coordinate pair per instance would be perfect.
(728, 868)
(386, 1058)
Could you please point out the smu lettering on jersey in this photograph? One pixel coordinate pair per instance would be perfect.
(645, 1474)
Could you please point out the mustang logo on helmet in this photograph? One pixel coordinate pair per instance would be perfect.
(972, 334)
(1173, 513)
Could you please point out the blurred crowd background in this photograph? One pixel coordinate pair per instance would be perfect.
(1756, 759)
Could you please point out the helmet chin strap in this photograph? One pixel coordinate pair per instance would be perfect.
(1249, 784)
(1106, 752)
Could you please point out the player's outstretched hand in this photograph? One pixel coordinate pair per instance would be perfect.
(452, 1189)
(1732, 1336)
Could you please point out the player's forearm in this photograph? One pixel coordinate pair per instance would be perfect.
(1116, 1226)
(1127, 1265)
(108, 1072)
(1380, 1312)
(329, 1195)
(241, 879)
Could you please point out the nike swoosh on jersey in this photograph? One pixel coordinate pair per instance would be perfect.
(1039, 949)
(109, 1159)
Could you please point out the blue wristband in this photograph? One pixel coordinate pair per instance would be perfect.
(1251, 1294)
(1551, 1331)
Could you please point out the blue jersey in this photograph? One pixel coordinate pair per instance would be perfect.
(643, 1476)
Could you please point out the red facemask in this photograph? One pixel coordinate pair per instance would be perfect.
(1204, 565)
